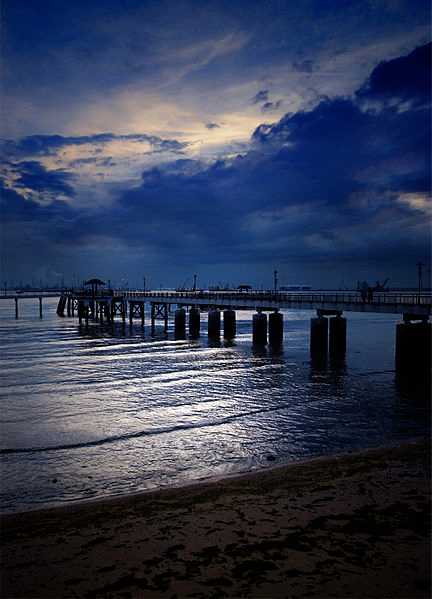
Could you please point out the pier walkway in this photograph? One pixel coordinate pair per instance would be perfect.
(385, 303)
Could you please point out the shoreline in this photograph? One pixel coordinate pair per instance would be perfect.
(196, 485)
(351, 525)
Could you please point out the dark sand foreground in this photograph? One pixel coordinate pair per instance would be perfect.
(351, 526)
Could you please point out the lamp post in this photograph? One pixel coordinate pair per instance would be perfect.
(275, 279)
(420, 278)
(194, 283)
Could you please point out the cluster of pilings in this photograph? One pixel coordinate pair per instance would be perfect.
(328, 336)
(328, 329)
(264, 330)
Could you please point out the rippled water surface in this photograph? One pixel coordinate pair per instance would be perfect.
(103, 412)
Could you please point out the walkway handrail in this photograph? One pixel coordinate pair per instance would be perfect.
(379, 298)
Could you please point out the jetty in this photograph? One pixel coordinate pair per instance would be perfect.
(328, 325)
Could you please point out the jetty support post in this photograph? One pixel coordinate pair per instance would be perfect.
(123, 311)
(413, 349)
(16, 308)
(180, 323)
(166, 308)
(107, 310)
(319, 338)
(337, 337)
(229, 324)
(213, 324)
(259, 328)
(40, 306)
(194, 322)
(275, 329)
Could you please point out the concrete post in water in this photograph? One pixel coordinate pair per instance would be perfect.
(337, 337)
(131, 309)
(61, 305)
(180, 323)
(275, 329)
(80, 311)
(413, 350)
(194, 322)
(166, 309)
(68, 305)
(229, 324)
(40, 306)
(142, 307)
(214, 324)
(73, 306)
(123, 311)
(107, 310)
(319, 338)
(16, 307)
(87, 311)
(259, 328)
(153, 316)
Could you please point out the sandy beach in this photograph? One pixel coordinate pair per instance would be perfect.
(356, 525)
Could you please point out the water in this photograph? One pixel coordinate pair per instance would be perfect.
(97, 413)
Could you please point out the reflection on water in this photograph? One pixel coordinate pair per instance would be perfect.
(106, 410)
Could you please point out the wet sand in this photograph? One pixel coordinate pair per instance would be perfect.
(349, 526)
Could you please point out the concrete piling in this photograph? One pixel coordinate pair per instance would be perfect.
(275, 329)
(214, 324)
(194, 322)
(413, 350)
(16, 308)
(259, 328)
(337, 337)
(229, 324)
(80, 311)
(319, 337)
(40, 307)
(180, 323)
(61, 305)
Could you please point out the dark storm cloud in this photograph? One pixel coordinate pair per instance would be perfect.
(404, 79)
(327, 182)
(34, 176)
(212, 126)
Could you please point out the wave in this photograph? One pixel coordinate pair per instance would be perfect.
(138, 434)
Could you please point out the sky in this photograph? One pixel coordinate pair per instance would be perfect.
(227, 139)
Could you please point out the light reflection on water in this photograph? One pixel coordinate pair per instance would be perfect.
(111, 410)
